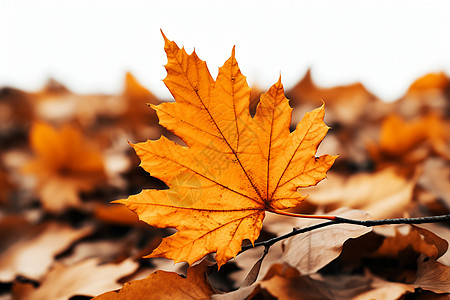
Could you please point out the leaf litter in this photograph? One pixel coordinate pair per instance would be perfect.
(56, 219)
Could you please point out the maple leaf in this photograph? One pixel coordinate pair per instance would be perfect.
(234, 167)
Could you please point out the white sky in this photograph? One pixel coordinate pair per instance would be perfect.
(89, 45)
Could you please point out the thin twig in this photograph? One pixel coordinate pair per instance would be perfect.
(340, 220)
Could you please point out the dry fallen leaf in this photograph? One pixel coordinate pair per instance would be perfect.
(86, 278)
(285, 283)
(311, 251)
(16, 116)
(346, 104)
(57, 104)
(436, 179)
(64, 166)
(234, 167)
(417, 239)
(409, 142)
(432, 276)
(166, 285)
(33, 255)
(428, 94)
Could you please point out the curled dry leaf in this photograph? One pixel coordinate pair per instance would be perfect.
(234, 167)
(397, 258)
(166, 285)
(64, 166)
(442, 231)
(311, 251)
(33, 255)
(246, 260)
(432, 276)
(86, 278)
(418, 239)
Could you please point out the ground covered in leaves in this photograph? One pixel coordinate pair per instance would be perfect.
(65, 157)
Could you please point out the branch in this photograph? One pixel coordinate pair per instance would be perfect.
(340, 220)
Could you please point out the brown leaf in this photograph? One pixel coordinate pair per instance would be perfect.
(33, 255)
(440, 230)
(16, 115)
(284, 284)
(86, 278)
(166, 285)
(105, 251)
(254, 271)
(436, 179)
(432, 276)
(311, 251)
(428, 94)
(418, 239)
(431, 238)
(345, 104)
(56, 104)
(246, 260)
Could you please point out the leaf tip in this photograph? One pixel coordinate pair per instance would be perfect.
(164, 36)
(119, 201)
(323, 103)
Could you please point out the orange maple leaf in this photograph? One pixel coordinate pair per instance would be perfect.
(234, 167)
(140, 119)
(410, 141)
(64, 165)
